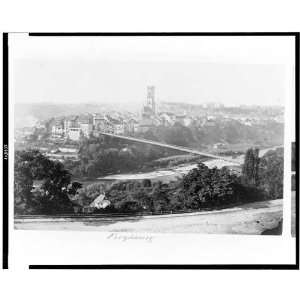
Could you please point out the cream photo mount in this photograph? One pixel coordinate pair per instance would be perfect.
(114, 257)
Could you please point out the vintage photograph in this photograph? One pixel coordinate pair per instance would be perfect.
(155, 134)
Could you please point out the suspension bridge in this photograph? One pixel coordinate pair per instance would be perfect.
(174, 147)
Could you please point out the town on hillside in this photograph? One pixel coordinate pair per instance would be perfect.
(169, 158)
(58, 136)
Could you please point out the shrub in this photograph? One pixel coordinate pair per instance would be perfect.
(271, 173)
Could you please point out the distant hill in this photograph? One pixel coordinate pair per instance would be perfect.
(27, 114)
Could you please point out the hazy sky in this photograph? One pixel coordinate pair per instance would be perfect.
(231, 70)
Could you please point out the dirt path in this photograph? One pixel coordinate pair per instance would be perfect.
(252, 218)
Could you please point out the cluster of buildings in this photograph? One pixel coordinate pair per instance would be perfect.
(167, 114)
(75, 127)
(150, 117)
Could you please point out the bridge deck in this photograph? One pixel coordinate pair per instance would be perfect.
(179, 148)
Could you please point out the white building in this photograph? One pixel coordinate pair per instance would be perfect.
(57, 130)
(70, 122)
(68, 149)
(74, 133)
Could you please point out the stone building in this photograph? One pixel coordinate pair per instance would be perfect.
(149, 117)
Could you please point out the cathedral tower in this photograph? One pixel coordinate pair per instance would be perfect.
(151, 98)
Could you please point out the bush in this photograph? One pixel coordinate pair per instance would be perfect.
(271, 173)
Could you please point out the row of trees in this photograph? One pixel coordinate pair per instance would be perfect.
(205, 188)
(231, 132)
(201, 188)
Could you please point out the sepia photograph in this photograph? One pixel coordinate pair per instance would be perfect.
(148, 134)
(150, 149)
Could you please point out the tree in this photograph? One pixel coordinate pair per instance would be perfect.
(52, 195)
(23, 183)
(271, 173)
(104, 155)
(250, 169)
(204, 187)
(160, 199)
